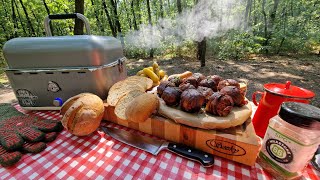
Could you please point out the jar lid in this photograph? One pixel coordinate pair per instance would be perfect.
(301, 115)
(289, 90)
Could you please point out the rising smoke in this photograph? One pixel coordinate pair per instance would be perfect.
(209, 18)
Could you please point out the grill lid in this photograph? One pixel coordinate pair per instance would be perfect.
(61, 51)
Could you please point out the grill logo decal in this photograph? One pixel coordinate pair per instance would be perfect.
(53, 86)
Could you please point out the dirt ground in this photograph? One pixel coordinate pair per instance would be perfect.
(303, 72)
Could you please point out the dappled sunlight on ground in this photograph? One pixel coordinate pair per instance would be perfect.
(256, 72)
(302, 72)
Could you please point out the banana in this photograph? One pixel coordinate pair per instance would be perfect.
(140, 72)
(162, 73)
(143, 75)
(151, 75)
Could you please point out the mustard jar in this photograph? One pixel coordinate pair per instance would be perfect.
(291, 140)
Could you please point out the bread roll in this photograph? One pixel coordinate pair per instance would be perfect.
(82, 114)
(122, 88)
(120, 109)
(140, 109)
(143, 81)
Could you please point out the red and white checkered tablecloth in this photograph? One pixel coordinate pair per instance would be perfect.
(99, 156)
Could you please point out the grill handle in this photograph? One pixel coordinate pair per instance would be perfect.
(65, 16)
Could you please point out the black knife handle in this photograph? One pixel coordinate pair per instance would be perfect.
(204, 158)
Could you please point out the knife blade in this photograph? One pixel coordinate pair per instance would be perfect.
(154, 146)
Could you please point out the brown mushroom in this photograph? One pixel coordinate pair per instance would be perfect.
(191, 100)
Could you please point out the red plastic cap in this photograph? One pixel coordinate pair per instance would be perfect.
(289, 90)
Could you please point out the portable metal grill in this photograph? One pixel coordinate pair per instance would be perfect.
(46, 71)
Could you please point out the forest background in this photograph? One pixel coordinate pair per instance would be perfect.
(187, 32)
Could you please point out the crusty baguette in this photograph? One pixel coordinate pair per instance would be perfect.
(122, 104)
(140, 109)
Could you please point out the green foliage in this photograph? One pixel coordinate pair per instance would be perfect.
(237, 45)
(293, 26)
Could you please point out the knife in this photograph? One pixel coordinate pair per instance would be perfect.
(154, 146)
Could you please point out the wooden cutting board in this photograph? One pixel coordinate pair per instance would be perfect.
(238, 144)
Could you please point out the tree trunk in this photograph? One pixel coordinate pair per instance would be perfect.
(114, 33)
(4, 7)
(179, 6)
(134, 16)
(273, 13)
(169, 11)
(28, 19)
(20, 19)
(150, 23)
(118, 25)
(201, 49)
(139, 14)
(265, 26)
(201, 55)
(255, 17)
(248, 7)
(127, 13)
(249, 15)
(291, 7)
(97, 17)
(39, 24)
(268, 33)
(78, 25)
(46, 6)
(7, 15)
(5, 30)
(161, 8)
(48, 12)
(179, 11)
(14, 18)
(156, 9)
(116, 17)
(284, 16)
